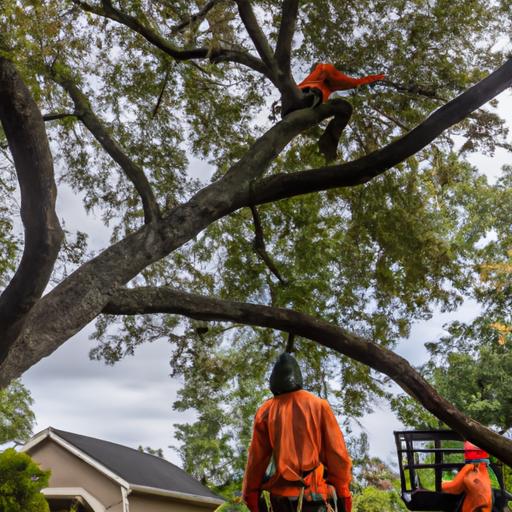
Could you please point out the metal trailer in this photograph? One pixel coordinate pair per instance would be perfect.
(431, 453)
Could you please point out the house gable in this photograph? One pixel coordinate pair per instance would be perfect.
(70, 472)
(113, 476)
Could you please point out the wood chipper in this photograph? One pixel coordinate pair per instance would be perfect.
(426, 459)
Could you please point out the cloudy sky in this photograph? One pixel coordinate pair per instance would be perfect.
(131, 402)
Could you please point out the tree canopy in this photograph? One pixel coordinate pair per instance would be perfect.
(131, 98)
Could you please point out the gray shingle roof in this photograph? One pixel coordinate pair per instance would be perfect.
(137, 467)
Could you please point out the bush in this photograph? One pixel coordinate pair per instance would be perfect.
(377, 500)
(21, 481)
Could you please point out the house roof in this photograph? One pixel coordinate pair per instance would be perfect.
(141, 471)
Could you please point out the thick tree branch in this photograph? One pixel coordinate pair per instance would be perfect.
(286, 31)
(281, 76)
(156, 39)
(24, 128)
(364, 169)
(256, 34)
(168, 300)
(84, 293)
(134, 173)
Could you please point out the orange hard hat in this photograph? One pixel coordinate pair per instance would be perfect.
(473, 452)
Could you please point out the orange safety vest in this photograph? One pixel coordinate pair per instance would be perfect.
(474, 481)
(328, 79)
(299, 431)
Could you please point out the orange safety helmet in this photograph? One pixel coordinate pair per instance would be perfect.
(473, 453)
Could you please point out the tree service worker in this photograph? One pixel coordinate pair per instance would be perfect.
(297, 434)
(472, 480)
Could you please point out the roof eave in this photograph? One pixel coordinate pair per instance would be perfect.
(182, 496)
(51, 434)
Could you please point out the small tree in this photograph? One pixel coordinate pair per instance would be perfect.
(16, 417)
(378, 500)
(21, 481)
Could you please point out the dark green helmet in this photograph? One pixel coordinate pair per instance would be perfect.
(286, 375)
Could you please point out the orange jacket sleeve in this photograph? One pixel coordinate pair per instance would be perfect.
(456, 486)
(339, 81)
(260, 452)
(334, 453)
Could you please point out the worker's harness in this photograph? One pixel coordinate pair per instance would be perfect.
(306, 497)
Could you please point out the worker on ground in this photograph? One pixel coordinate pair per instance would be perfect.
(323, 80)
(297, 434)
(472, 480)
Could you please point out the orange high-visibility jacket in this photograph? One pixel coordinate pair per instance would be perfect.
(474, 481)
(328, 79)
(300, 432)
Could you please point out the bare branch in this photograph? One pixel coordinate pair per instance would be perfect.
(196, 17)
(391, 118)
(260, 246)
(57, 116)
(256, 34)
(168, 300)
(360, 171)
(156, 39)
(286, 30)
(414, 89)
(134, 173)
(165, 81)
(24, 128)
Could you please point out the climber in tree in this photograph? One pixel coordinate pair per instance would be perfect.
(326, 79)
(297, 433)
(317, 87)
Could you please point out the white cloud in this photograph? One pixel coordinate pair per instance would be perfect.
(129, 403)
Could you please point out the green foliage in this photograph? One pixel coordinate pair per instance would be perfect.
(470, 366)
(21, 481)
(16, 416)
(375, 485)
(372, 499)
(478, 383)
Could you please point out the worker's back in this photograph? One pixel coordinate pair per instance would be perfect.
(295, 428)
(299, 434)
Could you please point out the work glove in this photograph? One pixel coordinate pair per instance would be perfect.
(345, 504)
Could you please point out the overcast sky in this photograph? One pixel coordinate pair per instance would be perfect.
(131, 402)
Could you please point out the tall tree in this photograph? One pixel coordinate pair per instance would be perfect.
(345, 256)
